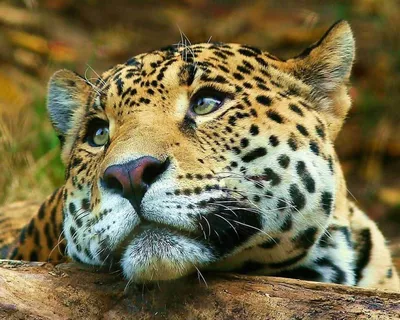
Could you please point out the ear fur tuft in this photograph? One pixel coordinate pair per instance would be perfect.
(67, 95)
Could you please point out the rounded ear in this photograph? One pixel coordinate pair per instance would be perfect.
(327, 64)
(68, 95)
(66, 99)
(326, 67)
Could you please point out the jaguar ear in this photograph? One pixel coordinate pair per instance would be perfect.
(67, 97)
(326, 67)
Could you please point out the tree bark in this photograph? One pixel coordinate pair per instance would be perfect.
(70, 291)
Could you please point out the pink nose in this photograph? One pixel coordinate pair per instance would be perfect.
(134, 178)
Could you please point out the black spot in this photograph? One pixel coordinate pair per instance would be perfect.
(238, 76)
(76, 162)
(306, 238)
(120, 86)
(338, 276)
(219, 79)
(326, 241)
(31, 226)
(254, 130)
(247, 65)
(247, 53)
(302, 130)
(256, 51)
(305, 176)
(274, 116)
(287, 224)
(272, 176)
(364, 249)
(197, 190)
(262, 86)
(85, 204)
(326, 201)
(36, 237)
(269, 244)
(282, 205)
(320, 131)
(236, 150)
(88, 254)
(330, 164)
(292, 143)
(132, 62)
(223, 68)
(41, 212)
(49, 240)
(296, 109)
(189, 176)
(22, 236)
(72, 232)
(244, 142)
(191, 72)
(232, 121)
(314, 147)
(243, 70)
(284, 161)
(389, 273)
(254, 154)
(273, 140)
(78, 221)
(264, 100)
(262, 62)
(347, 235)
(298, 199)
(72, 208)
(144, 100)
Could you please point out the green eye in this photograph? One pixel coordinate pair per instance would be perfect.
(205, 105)
(100, 137)
(98, 133)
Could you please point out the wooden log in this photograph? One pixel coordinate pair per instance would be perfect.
(69, 291)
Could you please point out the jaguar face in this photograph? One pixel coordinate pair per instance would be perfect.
(202, 156)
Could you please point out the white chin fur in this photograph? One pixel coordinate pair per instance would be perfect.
(159, 254)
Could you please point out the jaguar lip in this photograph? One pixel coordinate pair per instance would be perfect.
(146, 225)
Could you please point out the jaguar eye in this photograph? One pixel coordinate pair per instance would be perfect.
(207, 102)
(98, 133)
(205, 105)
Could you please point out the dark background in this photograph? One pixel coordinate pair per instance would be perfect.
(39, 37)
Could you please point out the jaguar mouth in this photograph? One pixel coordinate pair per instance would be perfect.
(156, 253)
(148, 227)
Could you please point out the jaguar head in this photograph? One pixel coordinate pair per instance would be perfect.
(203, 156)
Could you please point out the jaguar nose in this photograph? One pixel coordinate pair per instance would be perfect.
(133, 179)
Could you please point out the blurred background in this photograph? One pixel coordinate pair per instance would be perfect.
(39, 37)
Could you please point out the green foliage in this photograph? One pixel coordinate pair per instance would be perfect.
(46, 142)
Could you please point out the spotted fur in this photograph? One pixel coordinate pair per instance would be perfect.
(254, 186)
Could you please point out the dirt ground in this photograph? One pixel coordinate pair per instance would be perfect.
(39, 37)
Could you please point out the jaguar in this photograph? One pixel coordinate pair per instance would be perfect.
(208, 156)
